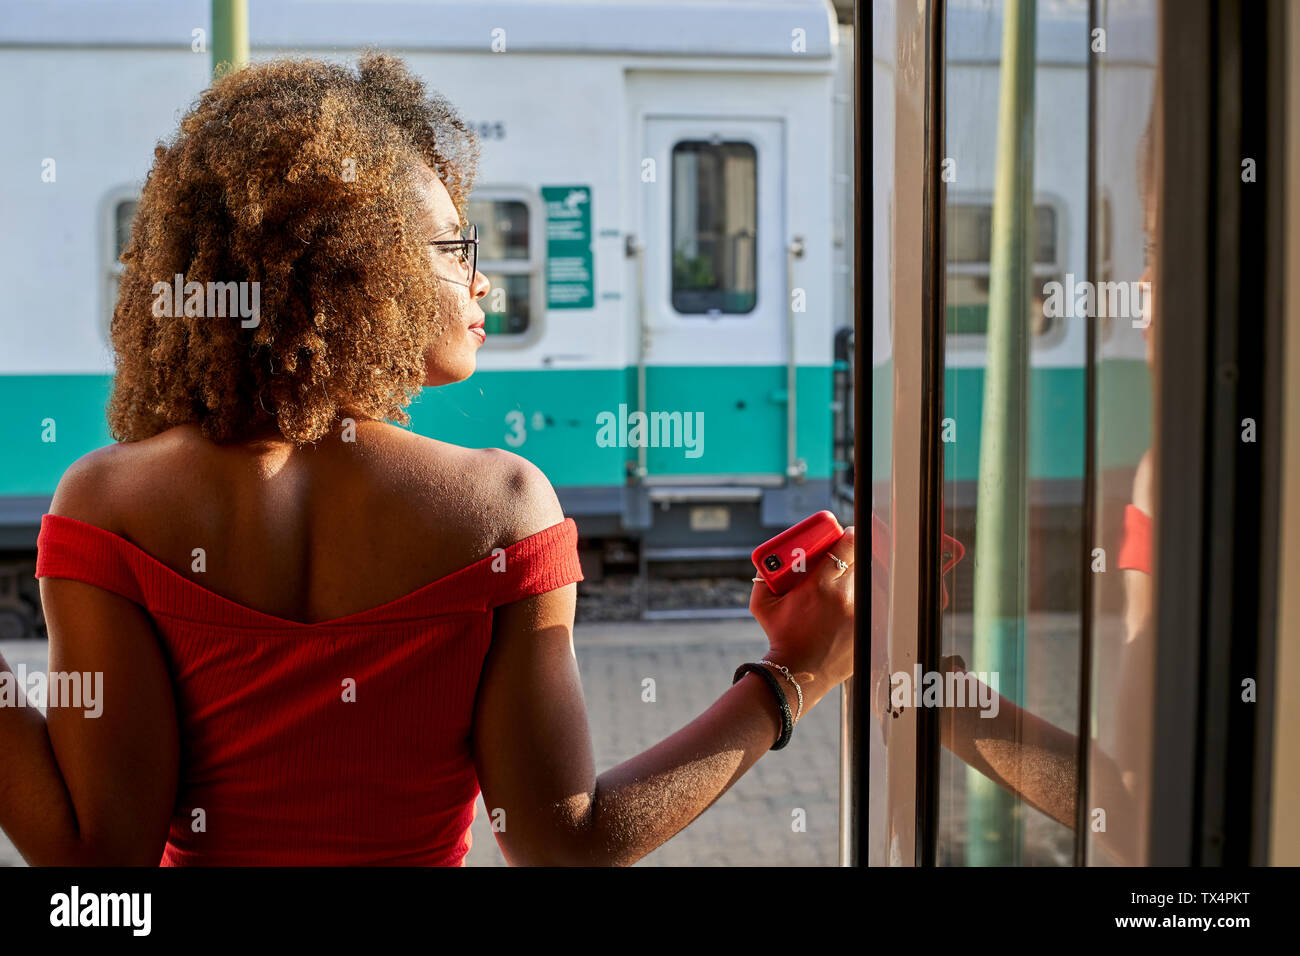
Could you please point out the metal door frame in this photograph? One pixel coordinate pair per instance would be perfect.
(1220, 274)
(916, 461)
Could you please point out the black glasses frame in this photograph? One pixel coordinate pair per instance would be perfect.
(471, 249)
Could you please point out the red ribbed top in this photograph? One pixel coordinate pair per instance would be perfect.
(1135, 552)
(288, 771)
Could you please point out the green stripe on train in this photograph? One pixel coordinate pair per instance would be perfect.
(552, 411)
(1055, 422)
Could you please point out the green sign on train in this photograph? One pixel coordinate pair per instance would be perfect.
(569, 280)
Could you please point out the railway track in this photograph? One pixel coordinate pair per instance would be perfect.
(621, 597)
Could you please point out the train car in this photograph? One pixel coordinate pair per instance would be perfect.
(665, 215)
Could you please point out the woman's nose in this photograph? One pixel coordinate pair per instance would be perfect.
(480, 287)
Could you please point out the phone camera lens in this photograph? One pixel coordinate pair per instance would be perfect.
(771, 562)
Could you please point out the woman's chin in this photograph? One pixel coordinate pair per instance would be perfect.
(450, 376)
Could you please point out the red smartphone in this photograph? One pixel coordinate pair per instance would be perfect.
(783, 560)
(952, 549)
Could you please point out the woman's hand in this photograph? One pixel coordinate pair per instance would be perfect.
(810, 627)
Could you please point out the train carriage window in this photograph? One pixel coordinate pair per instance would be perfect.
(509, 255)
(969, 239)
(123, 216)
(714, 228)
(121, 208)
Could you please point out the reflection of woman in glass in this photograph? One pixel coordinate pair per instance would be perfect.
(1029, 756)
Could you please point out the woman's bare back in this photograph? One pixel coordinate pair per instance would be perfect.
(314, 533)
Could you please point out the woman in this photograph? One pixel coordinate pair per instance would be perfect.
(319, 633)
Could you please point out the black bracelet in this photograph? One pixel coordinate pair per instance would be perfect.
(787, 719)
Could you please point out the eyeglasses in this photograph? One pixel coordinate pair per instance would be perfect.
(468, 250)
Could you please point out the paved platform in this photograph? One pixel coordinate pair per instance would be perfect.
(692, 664)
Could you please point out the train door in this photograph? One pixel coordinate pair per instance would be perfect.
(712, 303)
(1095, 684)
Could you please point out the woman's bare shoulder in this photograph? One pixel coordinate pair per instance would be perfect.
(508, 494)
(94, 487)
(499, 494)
(528, 500)
(480, 497)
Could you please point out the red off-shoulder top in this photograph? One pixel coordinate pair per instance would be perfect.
(285, 770)
(1135, 552)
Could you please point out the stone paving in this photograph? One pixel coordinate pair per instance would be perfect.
(692, 663)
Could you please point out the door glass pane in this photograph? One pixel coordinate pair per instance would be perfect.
(1015, 99)
(1126, 157)
(714, 227)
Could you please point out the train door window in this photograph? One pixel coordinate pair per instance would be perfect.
(969, 239)
(119, 214)
(714, 227)
(510, 255)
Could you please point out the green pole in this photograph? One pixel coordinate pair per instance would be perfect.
(1001, 539)
(229, 35)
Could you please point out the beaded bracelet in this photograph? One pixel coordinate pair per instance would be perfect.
(787, 721)
(790, 677)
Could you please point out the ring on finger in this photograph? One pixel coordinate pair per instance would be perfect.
(839, 562)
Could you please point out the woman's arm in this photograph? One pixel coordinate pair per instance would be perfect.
(1018, 751)
(535, 763)
(79, 790)
(532, 741)
(1137, 585)
(1038, 762)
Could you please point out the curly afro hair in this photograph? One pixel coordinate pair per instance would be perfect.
(300, 176)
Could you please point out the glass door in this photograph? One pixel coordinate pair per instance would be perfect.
(1075, 364)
